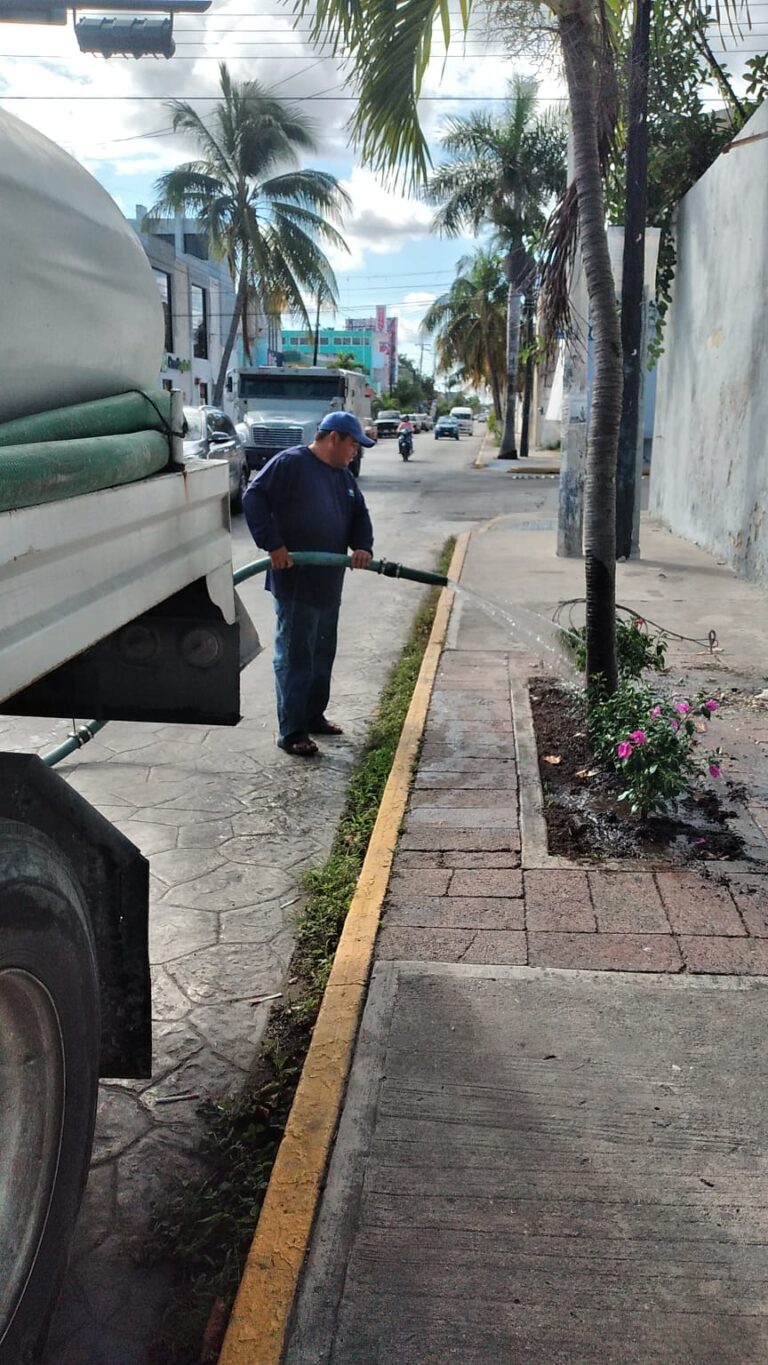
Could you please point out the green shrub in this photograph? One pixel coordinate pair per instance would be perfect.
(637, 648)
(652, 742)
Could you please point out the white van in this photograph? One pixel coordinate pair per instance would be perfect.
(464, 420)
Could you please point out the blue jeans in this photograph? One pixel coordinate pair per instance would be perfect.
(305, 648)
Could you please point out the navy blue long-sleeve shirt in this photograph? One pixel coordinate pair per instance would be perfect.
(298, 501)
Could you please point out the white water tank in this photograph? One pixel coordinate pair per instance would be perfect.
(80, 313)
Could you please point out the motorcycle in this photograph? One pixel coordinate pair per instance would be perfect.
(405, 444)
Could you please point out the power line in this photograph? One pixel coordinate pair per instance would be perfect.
(330, 99)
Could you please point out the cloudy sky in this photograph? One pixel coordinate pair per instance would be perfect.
(111, 115)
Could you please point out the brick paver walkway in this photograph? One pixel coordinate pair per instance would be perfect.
(460, 891)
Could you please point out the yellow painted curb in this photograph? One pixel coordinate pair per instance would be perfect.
(259, 1321)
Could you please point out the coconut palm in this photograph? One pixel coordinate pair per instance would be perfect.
(469, 323)
(390, 47)
(262, 214)
(503, 170)
(345, 360)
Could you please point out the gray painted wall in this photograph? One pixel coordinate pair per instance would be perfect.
(709, 478)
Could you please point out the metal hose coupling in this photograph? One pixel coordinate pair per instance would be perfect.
(391, 570)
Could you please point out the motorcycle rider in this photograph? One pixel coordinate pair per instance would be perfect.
(405, 429)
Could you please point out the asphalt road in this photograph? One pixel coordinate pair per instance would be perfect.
(229, 824)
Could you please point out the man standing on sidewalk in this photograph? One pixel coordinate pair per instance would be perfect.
(306, 498)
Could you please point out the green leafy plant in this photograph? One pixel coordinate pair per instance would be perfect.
(652, 742)
(494, 428)
(637, 648)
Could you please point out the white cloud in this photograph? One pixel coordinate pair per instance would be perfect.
(419, 299)
(379, 221)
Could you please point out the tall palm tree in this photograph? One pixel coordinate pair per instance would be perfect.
(503, 170)
(469, 323)
(268, 219)
(389, 46)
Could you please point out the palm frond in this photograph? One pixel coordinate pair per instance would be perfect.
(312, 189)
(312, 223)
(561, 236)
(186, 119)
(391, 43)
(190, 187)
(306, 259)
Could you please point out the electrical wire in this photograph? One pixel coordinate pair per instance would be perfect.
(711, 642)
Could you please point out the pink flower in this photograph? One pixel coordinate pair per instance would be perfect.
(715, 770)
(638, 737)
(656, 711)
(682, 707)
(624, 749)
(674, 724)
(712, 705)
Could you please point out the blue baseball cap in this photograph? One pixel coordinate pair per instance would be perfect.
(347, 425)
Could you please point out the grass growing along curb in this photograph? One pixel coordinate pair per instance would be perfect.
(204, 1230)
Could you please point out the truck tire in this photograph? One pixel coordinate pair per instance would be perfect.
(356, 464)
(49, 1057)
(236, 503)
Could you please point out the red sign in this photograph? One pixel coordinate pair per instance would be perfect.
(381, 318)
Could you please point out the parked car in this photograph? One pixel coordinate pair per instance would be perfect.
(446, 426)
(425, 420)
(210, 435)
(369, 428)
(386, 424)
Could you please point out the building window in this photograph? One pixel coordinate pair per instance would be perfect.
(163, 282)
(203, 389)
(195, 244)
(199, 322)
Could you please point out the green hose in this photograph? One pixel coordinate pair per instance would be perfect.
(81, 736)
(120, 415)
(47, 471)
(319, 559)
(303, 559)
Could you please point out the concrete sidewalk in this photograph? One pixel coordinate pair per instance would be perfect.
(539, 461)
(551, 1147)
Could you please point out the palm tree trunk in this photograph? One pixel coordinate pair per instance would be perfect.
(238, 312)
(508, 447)
(496, 391)
(577, 36)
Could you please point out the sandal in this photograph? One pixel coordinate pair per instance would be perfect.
(299, 746)
(324, 727)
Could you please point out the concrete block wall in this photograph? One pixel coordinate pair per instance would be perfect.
(709, 478)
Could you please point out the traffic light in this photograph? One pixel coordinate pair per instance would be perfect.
(125, 36)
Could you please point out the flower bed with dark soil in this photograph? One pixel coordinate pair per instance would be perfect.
(584, 816)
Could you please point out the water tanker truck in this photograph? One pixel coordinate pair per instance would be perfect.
(116, 602)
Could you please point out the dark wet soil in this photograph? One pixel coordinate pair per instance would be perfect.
(584, 816)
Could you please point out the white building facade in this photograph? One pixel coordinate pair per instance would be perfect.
(198, 301)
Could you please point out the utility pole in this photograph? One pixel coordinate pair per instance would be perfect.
(317, 329)
(530, 336)
(633, 278)
(573, 441)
